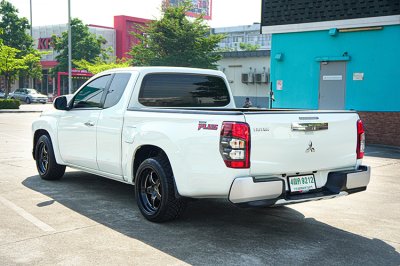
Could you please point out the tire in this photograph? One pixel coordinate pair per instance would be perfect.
(155, 191)
(46, 163)
(27, 100)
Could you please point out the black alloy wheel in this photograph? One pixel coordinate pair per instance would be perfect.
(150, 191)
(43, 160)
(46, 163)
(155, 191)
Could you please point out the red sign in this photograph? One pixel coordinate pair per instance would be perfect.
(44, 43)
(199, 7)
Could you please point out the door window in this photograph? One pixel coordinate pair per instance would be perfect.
(116, 89)
(90, 95)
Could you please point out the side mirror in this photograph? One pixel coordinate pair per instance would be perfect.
(60, 103)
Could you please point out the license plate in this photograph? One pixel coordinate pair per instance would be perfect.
(302, 183)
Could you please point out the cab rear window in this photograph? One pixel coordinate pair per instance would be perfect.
(183, 90)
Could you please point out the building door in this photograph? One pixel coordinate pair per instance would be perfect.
(332, 85)
(234, 76)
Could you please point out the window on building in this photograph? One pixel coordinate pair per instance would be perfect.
(183, 90)
(90, 95)
(116, 89)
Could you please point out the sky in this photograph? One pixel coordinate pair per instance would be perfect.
(100, 12)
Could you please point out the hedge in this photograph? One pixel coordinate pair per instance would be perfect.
(9, 104)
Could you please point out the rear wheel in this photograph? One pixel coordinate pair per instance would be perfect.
(155, 191)
(27, 100)
(46, 163)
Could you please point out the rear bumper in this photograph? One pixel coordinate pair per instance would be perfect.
(271, 191)
(39, 100)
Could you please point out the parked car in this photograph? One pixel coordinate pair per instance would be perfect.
(175, 133)
(2, 94)
(28, 96)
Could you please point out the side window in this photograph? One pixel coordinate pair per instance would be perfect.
(116, 89)
(90, 95)
(183, 90)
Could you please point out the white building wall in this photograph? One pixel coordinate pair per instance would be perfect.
(50, 30)
(249, 34)
(234, 67)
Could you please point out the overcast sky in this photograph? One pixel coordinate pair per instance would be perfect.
(101, 12)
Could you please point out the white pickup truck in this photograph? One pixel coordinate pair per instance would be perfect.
(175, 134)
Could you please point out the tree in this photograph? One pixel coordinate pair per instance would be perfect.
(17, 54)
(174, 40)
(85, 46)
(100, 65)
(10, 65)
(15, 29)
(249, 46)
(33, 66)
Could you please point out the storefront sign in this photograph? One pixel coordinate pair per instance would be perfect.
(198, 7)
(44, 43)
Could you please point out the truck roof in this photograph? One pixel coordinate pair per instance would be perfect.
(165, 69)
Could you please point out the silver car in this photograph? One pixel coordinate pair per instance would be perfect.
(28, 96)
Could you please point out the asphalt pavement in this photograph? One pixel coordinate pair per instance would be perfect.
(84, 219)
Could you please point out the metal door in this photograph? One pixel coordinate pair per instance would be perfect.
(332, 85)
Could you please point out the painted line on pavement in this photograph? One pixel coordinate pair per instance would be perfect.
(29, 217)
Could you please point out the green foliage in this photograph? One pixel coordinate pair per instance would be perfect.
(9, 104)
(249, 47)
(225, 49)
(33, 66)
(17, 56)
(85, 46)
(174, 40)
(14, 29)
(10, 65)
(100, 65)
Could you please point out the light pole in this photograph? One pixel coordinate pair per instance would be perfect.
(69, 49)
(31, 17)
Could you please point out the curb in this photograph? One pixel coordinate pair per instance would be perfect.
(388, 147)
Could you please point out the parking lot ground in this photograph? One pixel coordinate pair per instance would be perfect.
(88, 220)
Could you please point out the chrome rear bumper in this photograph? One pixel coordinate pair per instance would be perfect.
(271, 191)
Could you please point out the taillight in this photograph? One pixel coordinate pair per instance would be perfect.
(234, 144)
(360, 139)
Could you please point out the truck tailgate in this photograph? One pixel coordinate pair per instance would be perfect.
(290, 142)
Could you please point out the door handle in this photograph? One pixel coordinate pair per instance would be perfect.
(89, 124)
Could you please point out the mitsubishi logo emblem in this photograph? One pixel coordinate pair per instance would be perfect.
(310, 147)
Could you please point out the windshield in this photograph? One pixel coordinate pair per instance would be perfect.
(32, 91)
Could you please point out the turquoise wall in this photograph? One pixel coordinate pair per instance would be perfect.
(375, 53)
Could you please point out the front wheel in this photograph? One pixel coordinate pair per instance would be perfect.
(28, 100)
(46, 163)
(155, 192)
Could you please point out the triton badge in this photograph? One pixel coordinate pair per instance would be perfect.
(310, 147)
(204, 125)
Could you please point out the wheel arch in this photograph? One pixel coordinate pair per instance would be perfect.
(149, 151)
(144, 152)
(38, 133)
(47, 125)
